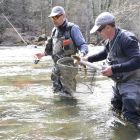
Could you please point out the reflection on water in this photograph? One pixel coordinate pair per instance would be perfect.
(29, 109)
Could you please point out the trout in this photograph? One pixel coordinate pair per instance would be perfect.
(78, 59)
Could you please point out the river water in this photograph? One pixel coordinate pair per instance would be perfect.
(30, 110)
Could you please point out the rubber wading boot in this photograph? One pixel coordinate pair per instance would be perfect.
(137, 125)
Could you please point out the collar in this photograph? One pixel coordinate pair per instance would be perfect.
(63, 25)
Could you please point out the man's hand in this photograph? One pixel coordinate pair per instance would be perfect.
(84, 59)
(81, 55)
(39, 55)
(107, 71)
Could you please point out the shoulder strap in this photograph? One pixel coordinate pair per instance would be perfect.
(122, 31)
(53, 31)
(68, 29)
(106, 44)
(69, 25)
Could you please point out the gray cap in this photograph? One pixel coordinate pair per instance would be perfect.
(103, 19)
(57, 10)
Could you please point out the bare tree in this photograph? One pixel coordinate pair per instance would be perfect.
(32, 15)
(87, 22)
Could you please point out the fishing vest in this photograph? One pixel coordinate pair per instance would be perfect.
(116, 56)
(60, 50)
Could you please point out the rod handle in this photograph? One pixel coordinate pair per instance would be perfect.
(36, 61)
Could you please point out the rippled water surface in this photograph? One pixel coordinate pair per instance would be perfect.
(30, 110)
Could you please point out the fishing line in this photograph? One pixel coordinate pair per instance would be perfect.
(36, 60)
(138, 6)
(93, 77)
(14, 29)
(122, 24)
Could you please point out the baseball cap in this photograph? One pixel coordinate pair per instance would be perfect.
(104, 18)
(57, 10)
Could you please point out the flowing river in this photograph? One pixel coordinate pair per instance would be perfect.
(30, 111)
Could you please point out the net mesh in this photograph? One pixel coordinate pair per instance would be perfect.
(73, 77)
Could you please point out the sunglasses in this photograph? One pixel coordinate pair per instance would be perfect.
(56, 17)
(99, 30)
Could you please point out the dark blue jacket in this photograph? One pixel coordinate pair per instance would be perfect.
(130, 48)
(77, 37)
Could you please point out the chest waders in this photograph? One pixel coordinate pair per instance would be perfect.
(59, 51)
(126, 99)
(116, 56)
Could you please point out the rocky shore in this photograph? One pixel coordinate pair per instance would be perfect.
(11, 38)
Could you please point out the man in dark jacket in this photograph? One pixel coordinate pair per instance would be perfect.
(63, 31)
(122, 56)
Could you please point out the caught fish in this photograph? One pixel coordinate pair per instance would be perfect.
(78, 59)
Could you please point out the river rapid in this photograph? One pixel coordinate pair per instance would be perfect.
(30, 110)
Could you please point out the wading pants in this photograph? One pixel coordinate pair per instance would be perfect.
(55, 77)
(126, 98)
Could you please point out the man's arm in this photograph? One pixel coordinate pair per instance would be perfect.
(98, 57)
(78, 39)
(130, 48)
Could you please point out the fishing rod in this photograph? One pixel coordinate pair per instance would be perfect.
(14, 29)
(36, 60)
(65, 42)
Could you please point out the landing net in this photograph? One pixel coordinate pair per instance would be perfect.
(73, 76)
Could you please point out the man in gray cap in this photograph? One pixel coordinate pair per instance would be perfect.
(122, 56)
(63, 31)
